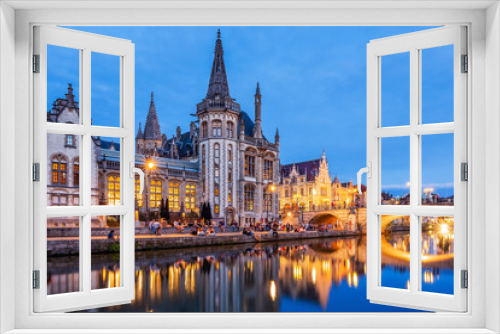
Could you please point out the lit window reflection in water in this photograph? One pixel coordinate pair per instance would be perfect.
(320, 275)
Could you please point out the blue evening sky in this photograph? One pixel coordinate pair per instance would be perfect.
(313, 82)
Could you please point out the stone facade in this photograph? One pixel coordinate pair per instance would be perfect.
(224, 159)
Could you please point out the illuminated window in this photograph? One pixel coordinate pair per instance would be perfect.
(59, 170)
(76, 173)
(230, 131)
(138, 197)
(216, 210)
(268, 170)
(190, 196)
(229, 176)
(267, 199)
(216, 191)
(155, 193)
(249, 165)
(249, 197)
(217, 128)
(173, 196)
(113, 190)
(229, 198)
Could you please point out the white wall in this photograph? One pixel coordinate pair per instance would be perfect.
(492, 163)
(7, 158)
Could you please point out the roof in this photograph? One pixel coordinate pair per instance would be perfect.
(249, 125)
(184, 145)
(106, 144)
(302, 167)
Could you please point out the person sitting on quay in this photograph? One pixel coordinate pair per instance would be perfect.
(194, 229)
(178, 227)
(157, 226)
(248, 232)
(235, 225)
(112, 235)
(151, 226)
(211, 232)
(201, 232)
(222, 227)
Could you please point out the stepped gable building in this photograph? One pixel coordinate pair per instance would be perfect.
(307, 186)
(224, 159)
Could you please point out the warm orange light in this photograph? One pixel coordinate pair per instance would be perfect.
(151, 165)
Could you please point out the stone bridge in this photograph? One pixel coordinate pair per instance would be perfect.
(340, 219)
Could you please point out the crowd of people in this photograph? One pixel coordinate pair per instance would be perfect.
(199, 228)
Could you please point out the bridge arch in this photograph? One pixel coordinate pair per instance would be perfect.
(325, 218)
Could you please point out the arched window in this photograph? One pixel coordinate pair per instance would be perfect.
(230, 131)
(216, 190)
(216, 209)
(230, 153)
(217, 160)
(268, 200)
(190, 196)
(204, 130)
(113, 190)
(76, 173)
(249, 197)
(138, 197)
(155, 194)
(217, 128)
(173, 196)
(59, 170)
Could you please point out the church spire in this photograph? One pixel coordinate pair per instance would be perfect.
(218, 88)
(140, 135)
(152, 127)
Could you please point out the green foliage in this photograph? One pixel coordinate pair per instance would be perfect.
(112, 222)
(113, 248)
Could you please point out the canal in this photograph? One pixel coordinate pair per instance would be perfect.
(315, 275)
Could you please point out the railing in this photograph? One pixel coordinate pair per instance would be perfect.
(218, 104)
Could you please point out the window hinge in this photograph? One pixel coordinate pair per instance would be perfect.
(465, 64)
(36, 172)
(465, 279)
(36, 279)
(464, 171)
(36, 63)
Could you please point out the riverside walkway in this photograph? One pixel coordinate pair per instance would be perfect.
(69, 245)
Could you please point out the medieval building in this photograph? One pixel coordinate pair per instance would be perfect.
(223, 160)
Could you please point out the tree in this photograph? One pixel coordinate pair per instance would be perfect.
(167, 212)
(209, 212)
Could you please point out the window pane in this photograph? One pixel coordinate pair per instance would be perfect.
(437, 84)
(63, 181)
(395, 171)
(63, 84)
(437, 169)
(395, 252)
(395, 98)
(105, 260)
(106, 186)
(63, 248)
(437, 254)
(105, 90)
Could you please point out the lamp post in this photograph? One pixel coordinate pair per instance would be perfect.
(150, 165)
(270, 190)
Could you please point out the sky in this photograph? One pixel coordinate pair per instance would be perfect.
(313, 85)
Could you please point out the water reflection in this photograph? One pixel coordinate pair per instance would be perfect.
(317, 276)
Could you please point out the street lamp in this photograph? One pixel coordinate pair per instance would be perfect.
(150, 165)
(270, 190)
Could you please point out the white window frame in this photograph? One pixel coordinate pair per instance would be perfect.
(483, 21)
(414, 43)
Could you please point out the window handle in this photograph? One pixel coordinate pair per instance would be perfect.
(368, 171)
(139, 171)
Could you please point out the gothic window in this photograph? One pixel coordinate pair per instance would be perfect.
(76, 173)
(155, 193)
(217, 128)
(113, 190)
(229, 198)
(216, 210)
(138, 197)
(59, 170)
(216, 191)
(249, 165)
(173, 196)
(230, 131)
(268, 169)
(190, 196)
(204, 130)
(230, 176)
(230, 153)
(249, 197)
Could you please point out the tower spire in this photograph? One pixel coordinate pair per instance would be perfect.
(218, 88)
(152, 127)
(258, 113)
